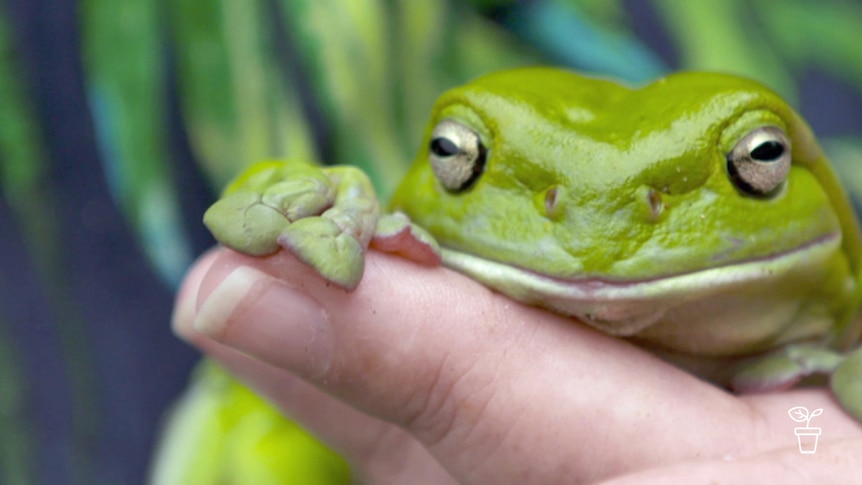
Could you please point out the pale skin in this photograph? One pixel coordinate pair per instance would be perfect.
(422, 375)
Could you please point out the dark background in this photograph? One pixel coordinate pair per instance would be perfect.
(105, 294)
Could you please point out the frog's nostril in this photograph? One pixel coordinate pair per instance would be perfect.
(655, 204)
(552, 197)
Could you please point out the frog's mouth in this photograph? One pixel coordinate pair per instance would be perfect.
(624, 308)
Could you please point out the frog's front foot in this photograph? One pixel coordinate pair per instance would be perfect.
(785, 368)
(325, 216)
(847, 383)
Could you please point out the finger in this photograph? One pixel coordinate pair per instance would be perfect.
(836, 462)
(407, 347)
(378, 451)
(185, 304)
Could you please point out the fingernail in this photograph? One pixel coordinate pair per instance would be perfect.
(184, 312)
(185, 304)
(261, 316)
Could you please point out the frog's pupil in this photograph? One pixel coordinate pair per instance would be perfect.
(444, 147)
(768, 151)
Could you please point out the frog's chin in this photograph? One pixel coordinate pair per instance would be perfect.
(626, 308)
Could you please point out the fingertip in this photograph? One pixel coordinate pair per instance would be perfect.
(186, 302)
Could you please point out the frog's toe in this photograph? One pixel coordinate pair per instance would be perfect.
(847, 383)
(395, 233)
(319, 242)
(782, 370)
(300, 197)
(772, 373)
(241, 222)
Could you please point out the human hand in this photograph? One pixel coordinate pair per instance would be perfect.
(425, 376)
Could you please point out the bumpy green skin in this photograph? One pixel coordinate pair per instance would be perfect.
(614, 205)
(603, 146)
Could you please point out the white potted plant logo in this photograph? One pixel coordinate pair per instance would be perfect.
(806, 436)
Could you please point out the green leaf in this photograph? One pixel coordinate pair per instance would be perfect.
(16, 445)
(724, 36)
(347, 50)
(22, 157)
(124, 66)
(806, 33)
(239, 105)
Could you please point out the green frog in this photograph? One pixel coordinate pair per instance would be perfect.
(695, 216)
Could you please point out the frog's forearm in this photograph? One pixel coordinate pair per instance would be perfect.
(397, 234)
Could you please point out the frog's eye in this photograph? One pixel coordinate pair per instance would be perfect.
(760, 162)
(457, 155)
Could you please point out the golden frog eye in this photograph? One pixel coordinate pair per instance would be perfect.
(457, 155)
(760, 162)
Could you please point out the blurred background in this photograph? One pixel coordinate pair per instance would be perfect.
(120, 120)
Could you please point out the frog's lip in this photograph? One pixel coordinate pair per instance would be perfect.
(625, 307)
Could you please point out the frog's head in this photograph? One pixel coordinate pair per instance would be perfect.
(554, 183)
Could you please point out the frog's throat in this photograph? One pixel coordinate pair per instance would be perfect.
(624, 308)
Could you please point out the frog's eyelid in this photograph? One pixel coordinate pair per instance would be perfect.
(760, 161)
(457, 155)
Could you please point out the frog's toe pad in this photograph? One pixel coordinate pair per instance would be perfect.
(241, 222)
(847, 383)
(320, 243)
(396, 234)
